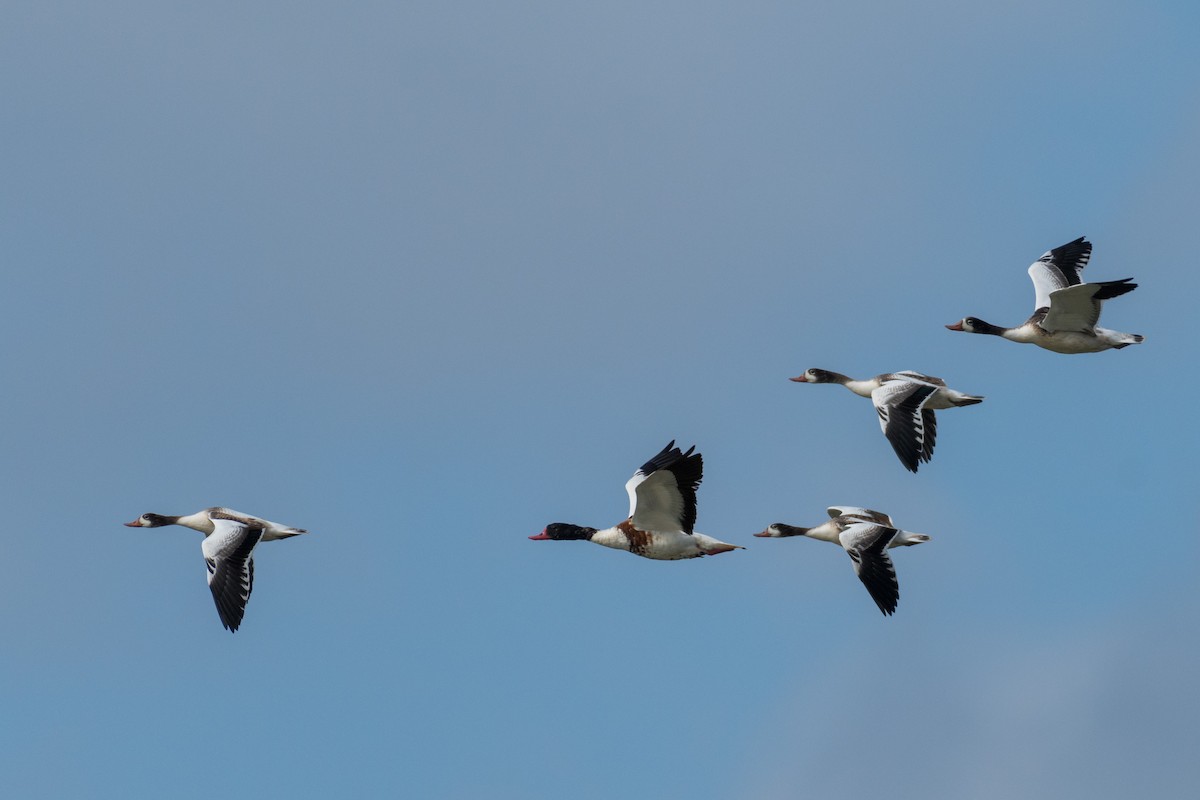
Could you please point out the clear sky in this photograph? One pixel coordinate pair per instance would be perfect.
(424, 277)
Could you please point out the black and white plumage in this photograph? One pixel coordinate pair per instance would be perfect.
(1066, 310)
(228, 547)
(866, 536)
(662, 493)
(228, 554)
(866, 543)
(906, 422)
(905, 402)
(662, 512)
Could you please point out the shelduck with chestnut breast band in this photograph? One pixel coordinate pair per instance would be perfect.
(662, 513)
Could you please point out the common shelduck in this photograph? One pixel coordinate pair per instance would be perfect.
(662, 513)
(1066, 310)
(905, 402)
(228, 547)
(866, 536)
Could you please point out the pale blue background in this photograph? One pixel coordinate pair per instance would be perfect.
(424, 277)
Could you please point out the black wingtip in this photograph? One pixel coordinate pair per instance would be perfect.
(886, 598)
(231, 615)
(1110, 289)
(668, 457)
(908, 451)
(1073, 255)
(688, 469)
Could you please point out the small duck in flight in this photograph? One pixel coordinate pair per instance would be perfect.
(1066, 310)
(662, 513)
(229, 541)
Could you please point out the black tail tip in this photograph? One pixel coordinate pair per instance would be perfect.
(1137, 339)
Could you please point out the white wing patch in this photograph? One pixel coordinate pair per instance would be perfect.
(1046, 279)
(921, 377)
(856, 513)
(1074, 308)
(1058, 269)
(655, 502)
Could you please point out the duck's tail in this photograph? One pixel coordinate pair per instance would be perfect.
(967, 399)
(1127, 339)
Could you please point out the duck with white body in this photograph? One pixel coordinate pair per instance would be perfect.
(866, 536)
(1066, 310)
(662, 513)
(229, 541)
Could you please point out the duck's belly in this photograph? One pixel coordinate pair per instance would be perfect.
(1072, 342)
(649, 544)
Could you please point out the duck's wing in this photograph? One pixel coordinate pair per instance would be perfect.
(912, 374)
(866, 543)
(855, 513)
(662, 494)
(930, 420)
(1058, 269)
(1077, 308)
(901, 405)
(271, 530)
(227, 554)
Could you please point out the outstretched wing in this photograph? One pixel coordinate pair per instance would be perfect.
(866, 543)
(855, 513)
(1077, 308)
(662, 494)
(1058, 269)
(919, 376)
(901, 405)
(227, 554)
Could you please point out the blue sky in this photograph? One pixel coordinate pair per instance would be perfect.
(424, 277)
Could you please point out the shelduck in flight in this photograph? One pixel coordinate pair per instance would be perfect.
(662, 513)
(1065, 309)
(866, 536)
(229, 540)
(905, 402)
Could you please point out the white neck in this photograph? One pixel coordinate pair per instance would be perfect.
(611, 537)
(1026, 334)
(862, 388)
(826, 532)
(197, 522)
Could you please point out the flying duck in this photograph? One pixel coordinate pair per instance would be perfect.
(662, 513)
(866, 536)
(229, 540)
(905, 402)
(1066, 309)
